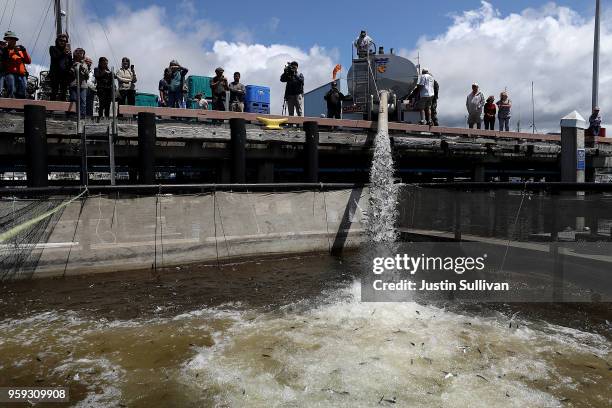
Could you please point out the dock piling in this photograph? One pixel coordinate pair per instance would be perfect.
(35, 132)
(311, 150)
(147, 134)
(238, 149)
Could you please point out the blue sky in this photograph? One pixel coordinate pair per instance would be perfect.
(498, 43)
(333, 24)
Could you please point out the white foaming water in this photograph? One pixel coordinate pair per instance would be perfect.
(352, 354)
(341, 353)
(383, 212)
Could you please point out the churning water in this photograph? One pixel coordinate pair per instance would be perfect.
(383, 212)
(287, 335)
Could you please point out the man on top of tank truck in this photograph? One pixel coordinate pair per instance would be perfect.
(363, 44)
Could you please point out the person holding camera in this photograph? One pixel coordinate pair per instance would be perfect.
(219, 87)
(14, 60)
(126, 77)
(294, 91)
(61, 64)
(80, 76)
(176, 84)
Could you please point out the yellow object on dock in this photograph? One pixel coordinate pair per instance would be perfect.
(272, 123)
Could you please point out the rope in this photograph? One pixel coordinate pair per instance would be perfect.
(518, 213)
(5, 236)
(76, 227)
(41, 23)
(105, 34)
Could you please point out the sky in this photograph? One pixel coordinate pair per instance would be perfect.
(501, 44)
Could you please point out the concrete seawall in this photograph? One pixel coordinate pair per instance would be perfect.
(114, 234)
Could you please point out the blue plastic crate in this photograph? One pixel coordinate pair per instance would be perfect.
(257, 107)
(198, 84)
(256, 93)
(146, 99)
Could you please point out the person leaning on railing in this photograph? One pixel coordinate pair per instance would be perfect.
(14, 59)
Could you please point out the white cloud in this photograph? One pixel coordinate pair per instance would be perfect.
(551, 46)
(150, 39)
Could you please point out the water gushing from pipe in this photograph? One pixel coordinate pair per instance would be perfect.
(383, 212)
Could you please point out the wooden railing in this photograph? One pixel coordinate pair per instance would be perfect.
(205, 115)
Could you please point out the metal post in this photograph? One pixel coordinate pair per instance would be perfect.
(35, 132)
(58, 17)
(238, 149)
(84, 172)
(596, 56)
(147, 134)
(113, 132)
(311, 152)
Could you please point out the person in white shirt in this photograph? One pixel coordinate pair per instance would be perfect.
(475, 103)
(363, 44)
(425, 89)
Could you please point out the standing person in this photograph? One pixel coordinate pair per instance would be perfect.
(126, 77)
(237, 92)
(80, 70)
(504, 107)
(425, 87)
(61, 66)
(219, 87)
(2, 71)
(163, 87)
(175, 87)
(334, 100)
(434, 104)
(104, 86)
(490, 109)
(363, 43)
(595, 122)
(14, 59)
(474, 104)
(201, 101)
(91, 89)
(294, 91)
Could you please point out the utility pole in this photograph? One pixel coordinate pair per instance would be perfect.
(58, 17)
(596, 56)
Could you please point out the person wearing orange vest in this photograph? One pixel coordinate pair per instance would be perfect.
(14, 60)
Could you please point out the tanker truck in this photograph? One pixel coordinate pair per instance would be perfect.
(378, 71)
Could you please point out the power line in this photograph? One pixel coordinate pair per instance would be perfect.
(12, 14)
(42, 24)
(4, 11)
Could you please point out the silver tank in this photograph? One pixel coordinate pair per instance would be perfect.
(391, 72)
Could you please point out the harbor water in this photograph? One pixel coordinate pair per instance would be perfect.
(293, 333)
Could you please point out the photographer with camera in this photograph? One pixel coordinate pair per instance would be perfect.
(126, 76)
(219, 87)
(176, 84)
(14, 60)
(294, 91)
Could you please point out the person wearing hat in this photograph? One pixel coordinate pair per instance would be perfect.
(175, 87)
(595, 122)
(294, 90)
(363, 43)
(334, 100)
(475, 103)
(126, 78)
(219, 87)
(14, 60)
(59, 71)
(425, 89)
